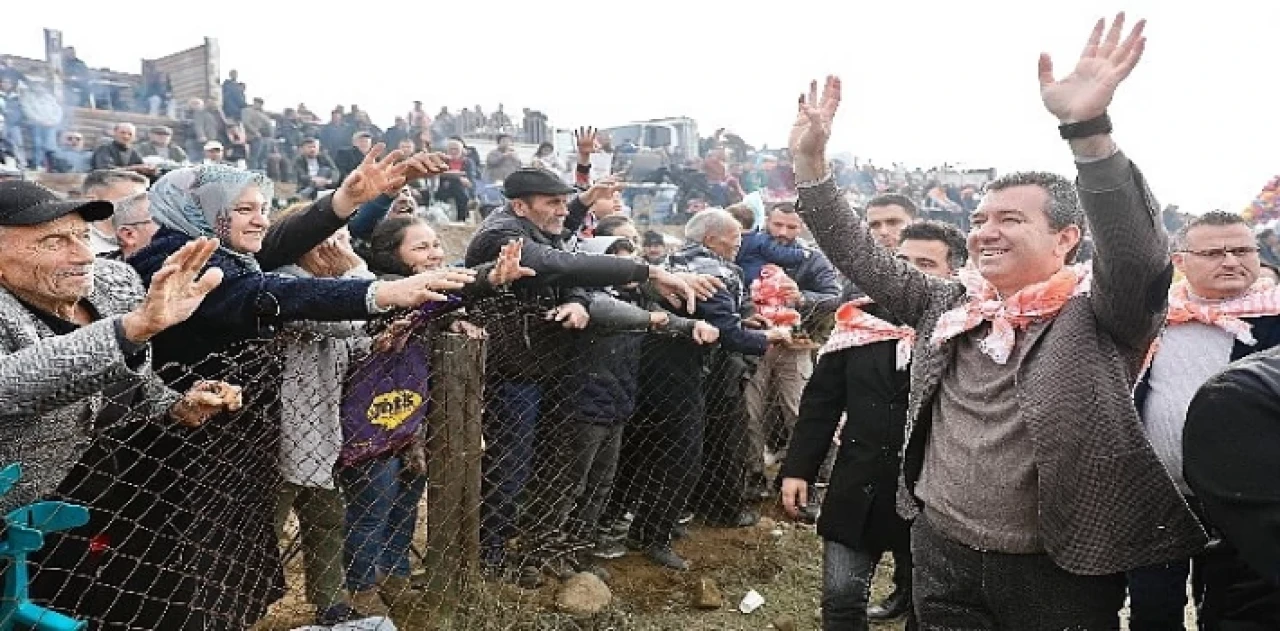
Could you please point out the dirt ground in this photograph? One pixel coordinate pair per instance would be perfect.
(780, 560)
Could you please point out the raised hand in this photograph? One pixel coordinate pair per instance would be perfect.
(422, 165)
(603, 188)
(1086, 92)
(176, 291)
(812, 129)
(585, 139)
(507, 268)
(370, 179)
(424, 287)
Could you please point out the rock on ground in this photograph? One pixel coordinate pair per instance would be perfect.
(583, 594)
(706, 594)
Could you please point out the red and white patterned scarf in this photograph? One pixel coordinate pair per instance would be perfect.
(855, 327)
(1262, 299)
(1034, 303)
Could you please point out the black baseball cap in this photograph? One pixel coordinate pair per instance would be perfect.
(30, 204)
(533, 181)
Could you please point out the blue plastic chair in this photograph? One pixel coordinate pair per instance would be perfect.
(23, 533)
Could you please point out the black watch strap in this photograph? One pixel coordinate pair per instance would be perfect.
(1084, 129)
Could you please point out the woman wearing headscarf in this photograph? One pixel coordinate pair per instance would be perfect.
(227, 470)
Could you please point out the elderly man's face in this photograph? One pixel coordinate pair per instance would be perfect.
(48, 264)
(725, 243)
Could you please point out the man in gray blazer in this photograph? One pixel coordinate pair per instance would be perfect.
(1032, 485)
(74, 332)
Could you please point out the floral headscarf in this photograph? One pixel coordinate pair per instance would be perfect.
(197, 201)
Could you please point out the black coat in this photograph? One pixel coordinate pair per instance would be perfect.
(523, 346)
(1231, 446)
(864, 383)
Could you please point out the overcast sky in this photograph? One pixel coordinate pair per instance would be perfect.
(927, 82)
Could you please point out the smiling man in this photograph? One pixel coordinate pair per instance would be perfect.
(1219, 313)
(1032, 485)
(75, 332)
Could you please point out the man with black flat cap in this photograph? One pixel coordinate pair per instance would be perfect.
(74, 332)
(529, 346)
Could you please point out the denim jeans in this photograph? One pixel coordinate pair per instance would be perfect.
(846, 584)
(510, 417)
(382, 512)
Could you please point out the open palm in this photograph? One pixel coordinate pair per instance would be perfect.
(177, 290)
(1086, 92)
(374, 176)
(812, 129)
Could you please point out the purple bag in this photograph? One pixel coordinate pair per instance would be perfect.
(388, 394)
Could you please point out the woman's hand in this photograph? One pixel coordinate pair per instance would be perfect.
(424, 287)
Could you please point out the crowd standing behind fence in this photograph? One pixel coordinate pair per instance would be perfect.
(207, 376)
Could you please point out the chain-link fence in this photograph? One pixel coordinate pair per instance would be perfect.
(433, 468)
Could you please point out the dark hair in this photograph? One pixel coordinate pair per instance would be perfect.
(606, 226)
(1211, 218)
(545, 145)
(502, 136)
(619, 245)
(744, 215)
(949, 235)
(386, 240)
(894, 199)
(653, 238)
(309, 140)
(1064, 207)
(107, 177)
(786, 208)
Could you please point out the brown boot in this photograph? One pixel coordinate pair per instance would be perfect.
(370, 603)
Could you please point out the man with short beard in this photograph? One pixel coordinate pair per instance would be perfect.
(863, 374)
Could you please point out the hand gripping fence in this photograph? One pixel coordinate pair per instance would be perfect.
(448, 480)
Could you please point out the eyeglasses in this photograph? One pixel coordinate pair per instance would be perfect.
(1218, 254)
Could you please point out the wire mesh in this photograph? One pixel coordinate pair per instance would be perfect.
(429, 482)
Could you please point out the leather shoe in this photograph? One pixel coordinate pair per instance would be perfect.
(663, 555)
(896, 605)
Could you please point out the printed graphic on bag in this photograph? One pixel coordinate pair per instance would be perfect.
(391, 409)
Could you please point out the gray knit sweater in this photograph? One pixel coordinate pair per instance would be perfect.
(51, 386)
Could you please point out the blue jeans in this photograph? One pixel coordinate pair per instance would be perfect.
(509, 421)
(846, 586)
(382, 511)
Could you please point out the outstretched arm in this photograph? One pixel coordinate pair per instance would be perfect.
(1131, 269)
(840, 232)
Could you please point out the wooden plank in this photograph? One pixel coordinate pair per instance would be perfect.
(453, 488)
